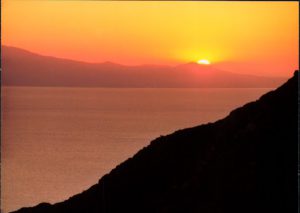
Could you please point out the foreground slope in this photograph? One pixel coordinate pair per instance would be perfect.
(246, 162)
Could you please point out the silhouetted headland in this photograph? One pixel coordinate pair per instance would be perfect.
(244, 163)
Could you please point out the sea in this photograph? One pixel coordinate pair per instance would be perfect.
(58, 141)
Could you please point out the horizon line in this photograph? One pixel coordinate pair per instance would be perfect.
(126, 65)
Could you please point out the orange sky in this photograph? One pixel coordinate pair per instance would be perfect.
(248, 37)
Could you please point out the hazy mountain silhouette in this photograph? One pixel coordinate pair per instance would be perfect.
(244, 163)
(23, 68)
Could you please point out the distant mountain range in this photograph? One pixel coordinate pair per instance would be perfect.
(244, 163)
(24, 68)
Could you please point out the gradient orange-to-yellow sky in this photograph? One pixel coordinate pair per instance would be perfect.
(259, 38)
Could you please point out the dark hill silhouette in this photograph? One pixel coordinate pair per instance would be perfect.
(23, 68)
(244, 163)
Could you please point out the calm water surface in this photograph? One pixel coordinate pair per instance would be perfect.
(57, 142)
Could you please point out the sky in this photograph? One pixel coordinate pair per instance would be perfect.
(260, 38)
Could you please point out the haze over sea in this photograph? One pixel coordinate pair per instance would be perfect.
(57, 142)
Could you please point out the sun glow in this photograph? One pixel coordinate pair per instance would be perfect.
(138, 32)
(203, 61)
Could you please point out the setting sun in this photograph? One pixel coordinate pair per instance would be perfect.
(203, 61)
